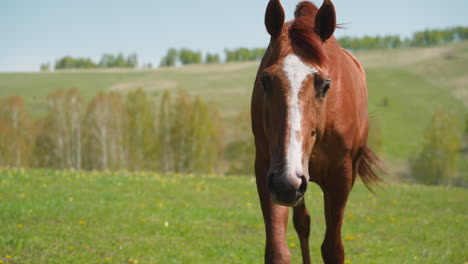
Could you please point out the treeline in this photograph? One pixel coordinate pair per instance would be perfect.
(244, 54)
(182, 134)
(113, 132)
(418, 39)
(184, 56)
(106, 61)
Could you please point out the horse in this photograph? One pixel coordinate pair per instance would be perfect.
(310, 124)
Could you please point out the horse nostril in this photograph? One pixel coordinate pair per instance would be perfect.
(302, 188)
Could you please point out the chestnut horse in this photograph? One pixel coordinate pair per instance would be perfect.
(310, 122)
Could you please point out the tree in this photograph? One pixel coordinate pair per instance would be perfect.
(45, 67)
(187, 57)
(166, 152)
(170, 59)
(16, 133)
(212, 58)
(257, 54)
(436, 161)
(205, 138)
(241, 152)
(107, 61)
(132, 61)
(142, 139)
(180, 131)
(74, 118)
(68, 62)
(105, 140)
(463, 158)
(190, 135)
(119, 61)
(460, 33)
(244, 54)
(59, 144)
(230, 55)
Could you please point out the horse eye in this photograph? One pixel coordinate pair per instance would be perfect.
(325, 87)
(322, 85)
(266, 82)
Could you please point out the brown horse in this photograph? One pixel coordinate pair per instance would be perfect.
(310, 122)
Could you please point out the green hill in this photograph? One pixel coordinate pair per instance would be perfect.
(405, 87)
(103, 217)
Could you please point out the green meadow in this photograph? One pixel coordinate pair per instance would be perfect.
(52, 216)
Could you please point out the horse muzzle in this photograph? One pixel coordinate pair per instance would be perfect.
(287, 189)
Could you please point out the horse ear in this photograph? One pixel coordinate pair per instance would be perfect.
(325, 20)
(274, 18)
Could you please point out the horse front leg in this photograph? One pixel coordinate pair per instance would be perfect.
(275, 217)
(335, 192)
(301, 219)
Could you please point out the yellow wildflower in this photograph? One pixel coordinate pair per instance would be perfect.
(108, 259)
(293, 244)
(8, 256)
(347, 261)
(19, 225)
(82, 222)
(351, 216)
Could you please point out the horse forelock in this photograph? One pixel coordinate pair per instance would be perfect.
(304, 41)
(305, 8)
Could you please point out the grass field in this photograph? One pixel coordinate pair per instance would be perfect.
(103, 217)
(414, 82)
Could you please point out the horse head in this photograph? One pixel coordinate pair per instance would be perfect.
(295, 81)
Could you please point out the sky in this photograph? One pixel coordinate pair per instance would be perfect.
(33, 32)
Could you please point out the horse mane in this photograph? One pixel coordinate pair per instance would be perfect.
(304, 41)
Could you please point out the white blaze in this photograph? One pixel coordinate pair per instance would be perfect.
(296, 72)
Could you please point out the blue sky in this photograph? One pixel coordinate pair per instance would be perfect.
(34, 31)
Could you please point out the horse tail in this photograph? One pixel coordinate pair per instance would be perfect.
(367, 163)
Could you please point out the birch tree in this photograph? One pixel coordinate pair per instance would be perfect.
(165, 149)
(142, 138)
(16, 133)
(105, 143)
